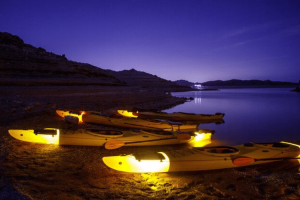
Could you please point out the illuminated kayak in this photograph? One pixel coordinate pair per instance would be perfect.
(112, 139)
(176, 116)
(203, 158)
(99, 118)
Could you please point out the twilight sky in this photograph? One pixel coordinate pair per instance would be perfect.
(195, 40)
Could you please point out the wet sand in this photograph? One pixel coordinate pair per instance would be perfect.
(36, 171)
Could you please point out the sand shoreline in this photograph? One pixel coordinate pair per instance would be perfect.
(35, 171)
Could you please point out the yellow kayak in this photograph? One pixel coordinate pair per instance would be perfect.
(203, 158)
(99, 118)
(175, 116)
(112, 139)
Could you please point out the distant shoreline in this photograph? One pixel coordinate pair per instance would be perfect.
(245, 87)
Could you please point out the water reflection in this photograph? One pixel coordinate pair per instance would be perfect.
(197, 100)
(251, 115)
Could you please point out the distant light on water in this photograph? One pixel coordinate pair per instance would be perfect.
(197, 86)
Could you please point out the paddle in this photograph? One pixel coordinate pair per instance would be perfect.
(115, 144)
(246, 161)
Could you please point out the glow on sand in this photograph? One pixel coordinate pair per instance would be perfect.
(129, 163)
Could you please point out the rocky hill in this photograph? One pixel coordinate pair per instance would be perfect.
(184, 83)
(24, 64)
(145, 80)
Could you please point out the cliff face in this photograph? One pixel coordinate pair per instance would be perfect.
(23, 64)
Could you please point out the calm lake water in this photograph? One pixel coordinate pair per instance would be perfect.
(251, 115)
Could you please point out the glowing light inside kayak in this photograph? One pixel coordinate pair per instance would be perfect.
(293, 145)
(202, 136)
(31, 136)
(125, 113)
(52, 139)
(201, 139)
(296, 146)
(78, 116)
(130, 164)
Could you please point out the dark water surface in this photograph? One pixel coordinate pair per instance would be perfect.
(251, 115)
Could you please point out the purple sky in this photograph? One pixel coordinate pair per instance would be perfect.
(195, 40)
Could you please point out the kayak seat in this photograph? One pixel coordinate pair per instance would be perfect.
(213, 151)
(227, 151)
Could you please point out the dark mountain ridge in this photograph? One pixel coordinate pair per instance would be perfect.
(146, 80)
(184, 83)
(24, 64)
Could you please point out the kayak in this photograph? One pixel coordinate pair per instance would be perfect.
(175, 116)
(203, 158)
(100, 118)
(112, 139)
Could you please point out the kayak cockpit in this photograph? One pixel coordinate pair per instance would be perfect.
(149, 156)
(220, 150)
(45, 131)
(105, 133)
(269, 145)
(158, 132)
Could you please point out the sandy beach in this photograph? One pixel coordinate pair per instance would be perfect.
(36, 171)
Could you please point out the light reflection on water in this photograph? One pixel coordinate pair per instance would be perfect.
(197, 100)
(257, 115)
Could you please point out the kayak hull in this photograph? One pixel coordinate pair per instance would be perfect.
(92, 137)
(175, 116)
(98, 118)
(198, 159)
